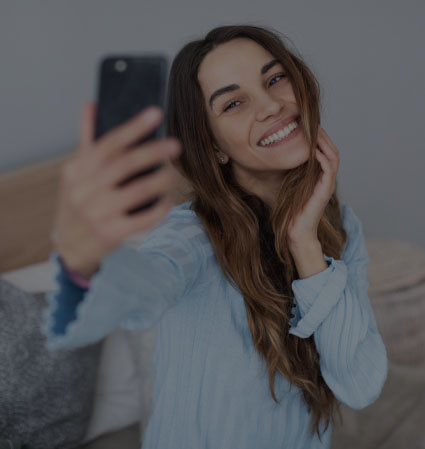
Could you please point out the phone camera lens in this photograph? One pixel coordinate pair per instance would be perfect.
(120, 65)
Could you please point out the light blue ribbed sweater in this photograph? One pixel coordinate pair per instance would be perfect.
(211, 389)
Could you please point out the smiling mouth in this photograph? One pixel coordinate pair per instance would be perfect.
(297, 120)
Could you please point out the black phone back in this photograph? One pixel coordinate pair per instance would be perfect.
(127, 84)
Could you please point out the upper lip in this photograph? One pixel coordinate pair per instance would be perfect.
(277, 126)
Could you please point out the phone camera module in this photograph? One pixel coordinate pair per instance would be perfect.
(120, 65)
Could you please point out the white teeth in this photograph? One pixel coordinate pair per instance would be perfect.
(282, 133)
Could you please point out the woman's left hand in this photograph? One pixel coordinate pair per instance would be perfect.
(304, 227)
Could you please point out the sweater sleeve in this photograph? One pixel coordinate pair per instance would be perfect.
(334, 307)
(132, 289)
(66, 298)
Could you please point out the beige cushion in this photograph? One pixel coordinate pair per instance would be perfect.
(394, 265)
(395, 420)
(396, 275)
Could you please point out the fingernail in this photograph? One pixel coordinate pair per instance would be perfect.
(152, 114)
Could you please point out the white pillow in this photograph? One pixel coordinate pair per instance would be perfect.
(142, 350)
(33, 278)
(142, 346)
(116, 403)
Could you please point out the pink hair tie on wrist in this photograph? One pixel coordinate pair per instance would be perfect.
(75, 277)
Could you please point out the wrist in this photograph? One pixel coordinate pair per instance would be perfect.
(304, 244)
(308, 258)
(77, 278)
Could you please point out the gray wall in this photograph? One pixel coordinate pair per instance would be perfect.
(368, 57)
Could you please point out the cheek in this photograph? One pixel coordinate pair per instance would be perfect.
(287, 93)
(236, 132)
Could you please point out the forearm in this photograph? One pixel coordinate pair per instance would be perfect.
(308, 257)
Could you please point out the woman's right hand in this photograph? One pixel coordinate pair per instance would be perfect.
(91, 217)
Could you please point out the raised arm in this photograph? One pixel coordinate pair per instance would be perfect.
(132, 289)
(334, 306)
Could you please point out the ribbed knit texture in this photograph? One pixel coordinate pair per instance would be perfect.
(211, 388)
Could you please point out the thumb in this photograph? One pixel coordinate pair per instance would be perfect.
(87, 125)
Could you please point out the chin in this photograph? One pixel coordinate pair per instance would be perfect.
(298, 158)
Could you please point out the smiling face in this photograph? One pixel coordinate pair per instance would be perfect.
(258, 100)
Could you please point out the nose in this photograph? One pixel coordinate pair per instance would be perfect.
(268, 105)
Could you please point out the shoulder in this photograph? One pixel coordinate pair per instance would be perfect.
(180, 227)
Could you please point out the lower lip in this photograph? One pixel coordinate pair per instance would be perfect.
(289, 137)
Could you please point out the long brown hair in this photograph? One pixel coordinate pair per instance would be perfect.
(248, 236)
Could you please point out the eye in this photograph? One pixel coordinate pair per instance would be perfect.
(280, 75)
(228, 106)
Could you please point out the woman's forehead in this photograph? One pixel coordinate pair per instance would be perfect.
(225, 63)
(233, 54)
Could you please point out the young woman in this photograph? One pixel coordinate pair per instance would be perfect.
(256, 285)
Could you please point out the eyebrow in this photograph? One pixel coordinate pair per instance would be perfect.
(232, 87)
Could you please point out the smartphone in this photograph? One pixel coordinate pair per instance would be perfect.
(127, 84)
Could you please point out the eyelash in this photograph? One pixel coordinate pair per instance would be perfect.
(234, 101)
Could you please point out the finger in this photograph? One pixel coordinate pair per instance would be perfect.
(327, 179)
(124, 135)
(329, 169)
(324, 161)
(143, 190)
(87, 119)
(142, 221)
(326, 148)
(135, 161)
(324, 136)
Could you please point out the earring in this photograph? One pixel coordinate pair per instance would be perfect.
(221, 159)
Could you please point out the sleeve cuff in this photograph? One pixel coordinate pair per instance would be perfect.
(65, 323)
(315, 296)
